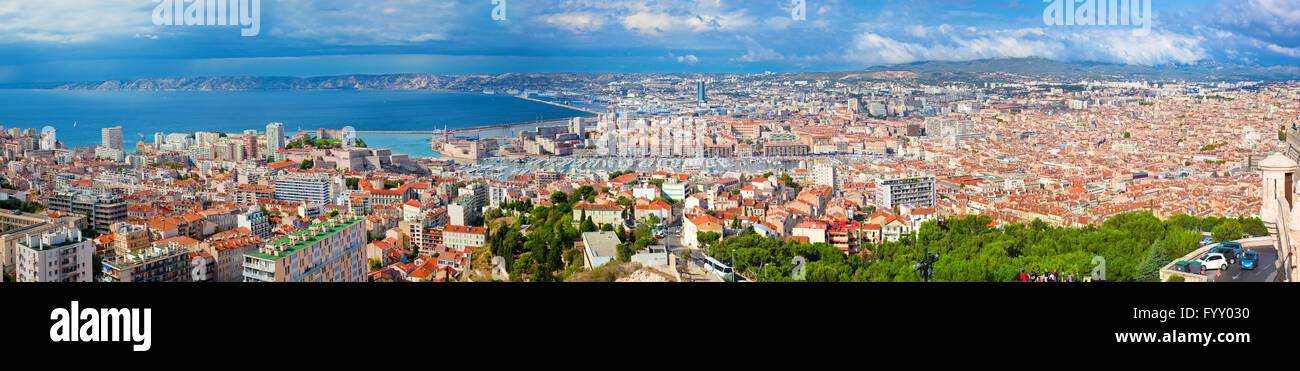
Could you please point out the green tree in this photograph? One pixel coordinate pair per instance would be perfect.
(1149, 270)
(1228, 231)
(559, 197)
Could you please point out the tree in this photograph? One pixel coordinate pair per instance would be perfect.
(1228, 231)
(305, 164)
(624, 253)
(1149, 270)
(375, 264)
(588, 225)
(1253, 227)
(707, 239)
(559, 197)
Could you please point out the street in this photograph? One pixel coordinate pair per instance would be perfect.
(1264, 271)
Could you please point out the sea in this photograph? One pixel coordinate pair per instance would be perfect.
(78, 116)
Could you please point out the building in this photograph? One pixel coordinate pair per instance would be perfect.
(112, 138)
(227, 249)
(255, 221)
(163, 261)
(813, 230)
(700, 95)
(130, 238)
(608, 213)
(101, 209)
(675, 192)
(915, 192)
(328, 251)
(59, 255)
(599, 248)
(703, 223)
(274, 137)
(306, 186)
(461, 238)
(785, 149)
(824, 174)
(246, 194)
(16, 227)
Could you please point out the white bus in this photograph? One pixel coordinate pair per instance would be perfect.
(714, 266)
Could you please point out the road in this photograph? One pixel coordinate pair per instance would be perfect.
(1265, 270)
(694, 271)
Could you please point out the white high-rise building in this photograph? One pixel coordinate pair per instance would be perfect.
(824, 174)
(303, 186)
(274, 137)
(112, 138)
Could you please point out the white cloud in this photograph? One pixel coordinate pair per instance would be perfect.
(73, 21)
(581, 22)
(1103, 45)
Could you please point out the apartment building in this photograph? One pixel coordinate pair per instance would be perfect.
(917, 192)
(102, 209)
(329, 251)
(304, 186)
(162, 261)
(59, 255)
(460, 237)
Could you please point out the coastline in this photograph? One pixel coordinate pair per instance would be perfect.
(145, 112)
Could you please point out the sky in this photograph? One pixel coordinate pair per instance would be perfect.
(87, 40)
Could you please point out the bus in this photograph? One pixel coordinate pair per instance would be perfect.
(714, 266)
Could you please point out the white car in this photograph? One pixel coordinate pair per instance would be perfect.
(1214, 261)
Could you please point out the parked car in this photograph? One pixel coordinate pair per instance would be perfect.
(1248, 260)
(1230, 251)
(1214, 260)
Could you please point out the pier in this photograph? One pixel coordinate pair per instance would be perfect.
(559, 105)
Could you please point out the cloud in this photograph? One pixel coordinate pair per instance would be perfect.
(580, 22)
(72, 21)
(1274, 20)
(1097, 44)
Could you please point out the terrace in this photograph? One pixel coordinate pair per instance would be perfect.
(289, 245)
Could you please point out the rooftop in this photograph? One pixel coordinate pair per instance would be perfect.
(305, 238)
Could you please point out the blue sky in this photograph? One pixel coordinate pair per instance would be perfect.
(74, 40)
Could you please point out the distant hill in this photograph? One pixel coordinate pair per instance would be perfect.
(1050, 69)
(1007, 69)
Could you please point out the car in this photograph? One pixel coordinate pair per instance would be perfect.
(1230, 251)
(1248, 260)
(1206, 241)
(1214, 260)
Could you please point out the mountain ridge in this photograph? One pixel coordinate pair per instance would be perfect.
(928, 71)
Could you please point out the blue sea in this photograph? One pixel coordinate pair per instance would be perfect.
(148, 112)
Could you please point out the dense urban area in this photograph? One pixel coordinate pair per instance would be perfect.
(874, 176)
